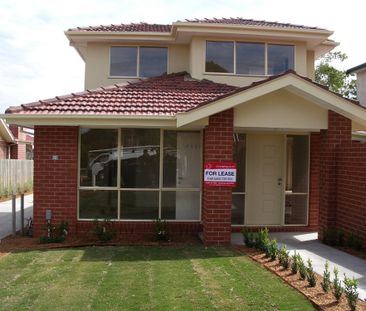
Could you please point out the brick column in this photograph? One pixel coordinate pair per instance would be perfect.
(218, 147)
(314, 191)
(55, 180)
(339, 131)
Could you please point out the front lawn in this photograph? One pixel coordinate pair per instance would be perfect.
(141, 278)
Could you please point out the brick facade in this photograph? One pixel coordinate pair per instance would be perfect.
(216, 203)
(55, 181)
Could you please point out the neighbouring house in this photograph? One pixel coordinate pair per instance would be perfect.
(15, 142)
(213, 125)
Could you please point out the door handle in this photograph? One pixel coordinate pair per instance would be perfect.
(279, 181)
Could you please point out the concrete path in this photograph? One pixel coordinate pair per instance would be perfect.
(308, 246)
(5, 215)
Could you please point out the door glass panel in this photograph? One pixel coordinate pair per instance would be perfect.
(237, 209)
(239, 154)
(297, 179)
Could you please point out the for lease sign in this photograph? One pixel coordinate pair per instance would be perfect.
(219, 174)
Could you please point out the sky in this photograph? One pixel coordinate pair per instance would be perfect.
(36, 61)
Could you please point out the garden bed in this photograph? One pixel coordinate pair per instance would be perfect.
(323, 301)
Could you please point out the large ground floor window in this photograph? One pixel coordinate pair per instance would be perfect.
(139, 174)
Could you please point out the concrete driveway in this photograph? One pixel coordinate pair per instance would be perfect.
(5, 214)
(308, 246)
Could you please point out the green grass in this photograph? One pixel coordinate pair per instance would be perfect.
(141, 278)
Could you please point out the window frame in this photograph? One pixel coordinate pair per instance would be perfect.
(266, 43)
(159, 189)
(137, 62)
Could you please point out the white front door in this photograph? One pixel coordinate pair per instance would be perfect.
(264, 200)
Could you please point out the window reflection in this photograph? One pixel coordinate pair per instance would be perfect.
(280, 58)
(219, 56)
(123, 61)
(250, 58)
(140, 158)
(153, 61)
(98, 158)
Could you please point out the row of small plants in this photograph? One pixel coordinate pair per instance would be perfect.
(338, 237)
(6, 192)
(261, 241)
(104, 230)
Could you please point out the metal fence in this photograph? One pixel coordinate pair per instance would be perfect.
(16, 176)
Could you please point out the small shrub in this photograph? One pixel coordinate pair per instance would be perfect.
(350, 290)
(263, 237)
(55, 233)
(341, 237)
(272, 249)
(302, 268)
(310, 274)
(284, 257)
(337, 287)
(294, 263)
(267, 247)
(354, 241)
(161, 232)
(326, 278)
(104, 230)
(330, 236)
(248, 238)
(256, 240)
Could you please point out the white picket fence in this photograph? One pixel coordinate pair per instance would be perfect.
(16, 176)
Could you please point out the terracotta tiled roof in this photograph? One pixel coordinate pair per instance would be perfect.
(160, 96)
(248, 22)
(165, 95)
(145, 27)
(140, 27)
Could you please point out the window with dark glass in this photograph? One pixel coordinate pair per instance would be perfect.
(219, 56)
(98, 204)
(98, 157)
(140, 158)
(250, 58)
(123, 61)
(280, 58)
(151, 61)
(124, 180)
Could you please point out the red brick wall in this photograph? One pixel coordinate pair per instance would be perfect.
(314, 182)
(351, 188)
(3, 150)
(144, 228)
(216, 205)
(55, 181)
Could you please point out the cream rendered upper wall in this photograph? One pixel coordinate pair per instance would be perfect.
(304, 63)
(97, 57)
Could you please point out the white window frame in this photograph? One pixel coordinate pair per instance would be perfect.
(160, 188)
(137, 62)
(234, 58)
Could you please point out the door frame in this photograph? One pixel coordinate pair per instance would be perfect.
(283, 188)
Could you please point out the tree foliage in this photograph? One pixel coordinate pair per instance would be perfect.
(337, 80)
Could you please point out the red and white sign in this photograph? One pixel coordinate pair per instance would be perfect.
(219, 174)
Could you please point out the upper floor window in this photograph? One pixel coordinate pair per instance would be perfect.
(130, 61)
(248, 58)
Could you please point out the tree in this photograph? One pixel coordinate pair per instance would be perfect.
(337, 80)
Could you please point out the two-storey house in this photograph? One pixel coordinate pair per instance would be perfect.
(165, 104)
